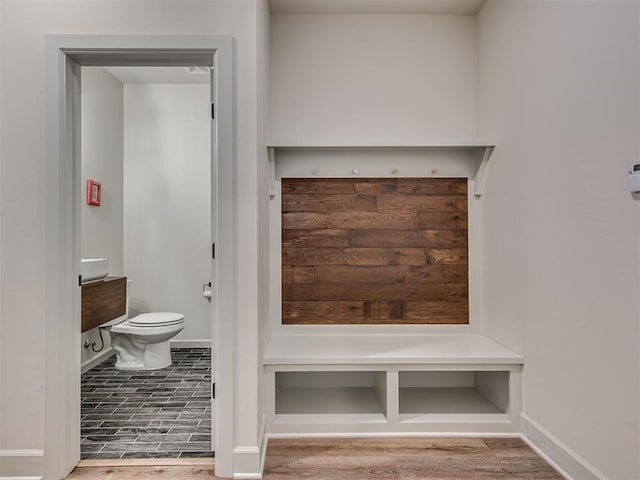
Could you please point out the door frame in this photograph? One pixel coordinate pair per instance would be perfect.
(64, 55)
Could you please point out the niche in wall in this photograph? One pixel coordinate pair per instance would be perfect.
(374, 251)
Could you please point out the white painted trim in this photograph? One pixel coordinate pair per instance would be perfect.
(21, 464)
(63, 56)
(557, 454)
(190, 343)
(246, 462)
(263, 438)
(398, 435)
(21, 478)
(98, 359)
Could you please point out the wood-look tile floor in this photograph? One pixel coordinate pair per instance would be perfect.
(369, 459)
(163, 413)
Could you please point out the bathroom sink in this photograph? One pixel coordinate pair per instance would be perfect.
(92, 269)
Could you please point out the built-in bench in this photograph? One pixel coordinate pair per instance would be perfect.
(391, 384)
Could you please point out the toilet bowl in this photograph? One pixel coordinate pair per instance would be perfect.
(142, 342)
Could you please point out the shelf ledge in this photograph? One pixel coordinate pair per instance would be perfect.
(424, 349)
(485, 146)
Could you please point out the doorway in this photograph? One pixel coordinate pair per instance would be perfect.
(145, 135)
(65, 55)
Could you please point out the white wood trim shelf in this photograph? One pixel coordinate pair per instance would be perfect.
(452, 142)
(482, 145)
(391, 384)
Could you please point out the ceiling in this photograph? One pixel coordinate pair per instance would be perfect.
(157, 75)
(433, 7)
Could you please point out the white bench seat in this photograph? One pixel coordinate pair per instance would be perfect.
(387, 349)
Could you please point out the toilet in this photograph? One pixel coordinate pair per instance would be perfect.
(142, 342)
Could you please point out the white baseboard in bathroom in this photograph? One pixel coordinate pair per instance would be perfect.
(98, 359)
(567, 462)
(21, 464)
(190, 343)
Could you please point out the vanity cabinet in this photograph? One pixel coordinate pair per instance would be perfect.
(103, 301)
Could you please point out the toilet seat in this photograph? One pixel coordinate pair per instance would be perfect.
(156, 319)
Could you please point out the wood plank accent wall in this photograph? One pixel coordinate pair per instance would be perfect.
(103, 301)
(374, 251)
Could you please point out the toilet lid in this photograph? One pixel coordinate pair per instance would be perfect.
(156, 319)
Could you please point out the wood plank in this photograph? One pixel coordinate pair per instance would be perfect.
(350, 220)
(328, 203)
(375, 310)
(421, 203)
(297, 220)
(321, 186)
(407, 241)
(175, 472)
(299, 274)
(397, 310)
(355, 447)
(443, 220)
(436, 310)
(458, 292)
(365, 458)
(437, 274)
(357, 256)
(408, 238)
(292, 311)
(447, 256)
(412, 458)
(359, 273)
(315, 238)
(372, 467)
(142, 462)
(433, 186)
(288, 273)
(103, 301)
(366, 291)
(376, 185)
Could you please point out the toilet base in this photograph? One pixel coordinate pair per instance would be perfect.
(133, 355)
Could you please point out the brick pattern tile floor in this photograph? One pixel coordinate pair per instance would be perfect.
(162, 413)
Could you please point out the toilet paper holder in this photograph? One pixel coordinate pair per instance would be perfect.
(206, 290)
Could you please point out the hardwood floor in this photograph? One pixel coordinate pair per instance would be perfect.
(366, 459)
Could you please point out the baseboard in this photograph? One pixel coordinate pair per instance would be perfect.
(248, 462)
(567, 462)
(98, 359)
(21, 464)
(263, 438)
(21, 478)
(190, 343)
(398, 435)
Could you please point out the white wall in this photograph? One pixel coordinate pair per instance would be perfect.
(263, 42)
(24, 25)
(559, 90)
(373, 78)
(101, 157)
(167, 192)
(395, 77)
(102, 161)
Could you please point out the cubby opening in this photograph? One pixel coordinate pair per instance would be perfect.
(451, 393)
(362, 394)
